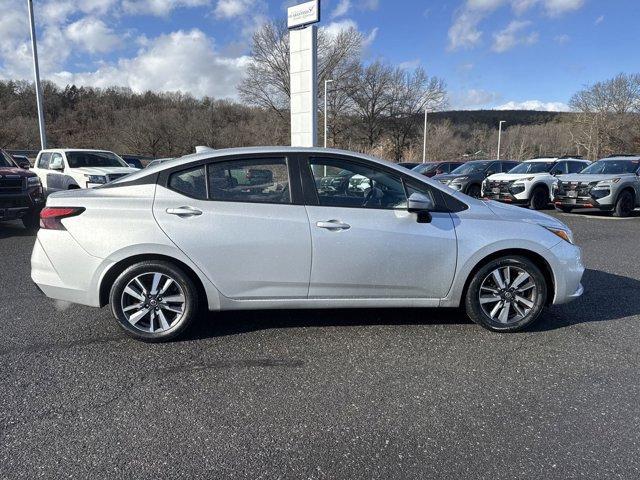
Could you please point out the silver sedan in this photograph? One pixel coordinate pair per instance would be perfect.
(263, 228)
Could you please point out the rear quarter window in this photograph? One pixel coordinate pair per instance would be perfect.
(191, 182)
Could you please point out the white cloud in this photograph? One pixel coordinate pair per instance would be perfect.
(562, 39)
(342, 8)
(233, 8)
(465, 31)
(187, 60)
(560, 7)
(535, 105)
(160, 8)
(474, 98)
(410, 64)
(599, 20)
(93, 35)
(512, 35)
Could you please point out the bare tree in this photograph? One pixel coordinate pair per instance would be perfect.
(410, 93)
(267, 82)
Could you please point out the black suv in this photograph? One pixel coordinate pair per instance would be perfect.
(21, 195)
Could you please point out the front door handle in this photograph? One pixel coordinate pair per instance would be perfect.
(333, 225)
(184, 212)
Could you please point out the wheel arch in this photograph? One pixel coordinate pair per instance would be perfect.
(536, 258)
(116, 269)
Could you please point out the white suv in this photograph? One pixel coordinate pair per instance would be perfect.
(66, 169)
(531, 182)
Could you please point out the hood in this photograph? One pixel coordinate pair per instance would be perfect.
(514, 176)
(20, 172)
(519, 214)
(105, 170)
(578, 177)
(449, 177)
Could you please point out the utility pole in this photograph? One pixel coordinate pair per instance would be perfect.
(326, 112)
(36, 73)
(424, 140)
(500, 136)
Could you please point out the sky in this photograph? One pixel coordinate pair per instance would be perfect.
(501, 54)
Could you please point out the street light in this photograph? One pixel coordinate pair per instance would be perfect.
(36, 73)
(326, 82)
(424, 141)
(500, 136)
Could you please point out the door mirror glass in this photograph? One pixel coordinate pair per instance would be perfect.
(419, 202)
(56, 163)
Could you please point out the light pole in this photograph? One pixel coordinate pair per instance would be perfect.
(36, 73)
(326, 82)
(424, 140)
(500, 136)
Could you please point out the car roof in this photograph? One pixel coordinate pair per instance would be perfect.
(65, 150)
(621, 157)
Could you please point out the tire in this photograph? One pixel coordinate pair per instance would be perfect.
(474, 191)
(530, 301)
(31, 221)
(565, 209)
(624, 204)
(539, 199)
(164, 320)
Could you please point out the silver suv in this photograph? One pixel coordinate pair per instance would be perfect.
(610, 184)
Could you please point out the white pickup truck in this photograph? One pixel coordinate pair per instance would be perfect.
(66, 169)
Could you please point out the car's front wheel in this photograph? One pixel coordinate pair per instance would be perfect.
(506, 294)
(624, 205)
(154, 301)
(539, 199)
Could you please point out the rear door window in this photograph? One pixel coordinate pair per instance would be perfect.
(250, 180)
(190, 182)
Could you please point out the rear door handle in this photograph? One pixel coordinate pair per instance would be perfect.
(333, 225)
(184, 212)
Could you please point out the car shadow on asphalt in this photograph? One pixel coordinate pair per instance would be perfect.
(238, 322)
(14, 229)
(607, 297)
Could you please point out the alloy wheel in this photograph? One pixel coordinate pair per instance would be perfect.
(153, 302)
(508, 294)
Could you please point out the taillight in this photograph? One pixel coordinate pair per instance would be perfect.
(50, 217)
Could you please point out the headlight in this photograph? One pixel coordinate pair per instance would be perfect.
(606, 183)
(459, 179)
(96, 179)
(566, 235)
(522, 180)
(33, 182)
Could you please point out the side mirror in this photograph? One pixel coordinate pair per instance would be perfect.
(439, 172)
(422, 205)
(490, 172)
(56, 166)
(24, 165)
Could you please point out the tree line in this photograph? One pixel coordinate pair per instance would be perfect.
(373, 107)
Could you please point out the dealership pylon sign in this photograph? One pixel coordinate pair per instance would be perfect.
(303, 58)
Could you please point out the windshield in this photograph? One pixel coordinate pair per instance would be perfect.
(612, 167)
(533, 167)
(5, 160)
(426, 167)
(471, 167)
(94, 159)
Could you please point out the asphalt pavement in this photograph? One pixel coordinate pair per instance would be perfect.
(339, 394)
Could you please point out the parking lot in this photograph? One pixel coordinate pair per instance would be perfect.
(328, 394)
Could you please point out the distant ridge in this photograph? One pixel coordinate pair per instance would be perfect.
(492, 117)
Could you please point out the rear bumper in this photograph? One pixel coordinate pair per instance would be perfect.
(73, 279)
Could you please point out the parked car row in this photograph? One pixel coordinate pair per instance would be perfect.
(610, 184)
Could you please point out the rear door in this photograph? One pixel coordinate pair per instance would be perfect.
(242, 222)
(365, 243)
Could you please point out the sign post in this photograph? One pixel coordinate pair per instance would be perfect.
(303, 55)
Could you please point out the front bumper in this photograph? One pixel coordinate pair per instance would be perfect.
(568, 271)
(17, 205)
(583, 202)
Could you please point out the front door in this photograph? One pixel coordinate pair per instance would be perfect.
(235, 220)
(365, 242)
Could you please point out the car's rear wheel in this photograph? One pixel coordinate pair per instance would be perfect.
(31, 221)
(539, 199)
(154, 301)
(474, 191)
(506, 294)
(624, 205)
